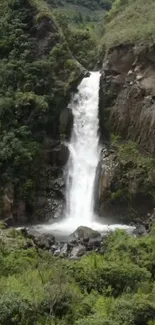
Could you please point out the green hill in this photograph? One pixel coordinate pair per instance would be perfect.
(130, 21)
(81, 11)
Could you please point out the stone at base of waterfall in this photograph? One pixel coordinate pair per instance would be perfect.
(8, 222)
(42, 241)
(64, 250)
(77, 251)
(94, 243)
(86, 233)
(140, 231)
(57, 252)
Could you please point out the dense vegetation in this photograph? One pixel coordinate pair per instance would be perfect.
(86, 15)
(130, 21)
(90, 4)
(36, 74)
(116, 287)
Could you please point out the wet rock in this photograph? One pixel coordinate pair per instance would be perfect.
(94, 242)
(140, 230)
(59, 155)
(66, 123)
(83, 232)
(78, 251)
(72, 240)
(19, 212)
(85, 240)
(44, 242)
(29, 243)
(57, 252)
(64, 250)
(8, 222)
(54, 248)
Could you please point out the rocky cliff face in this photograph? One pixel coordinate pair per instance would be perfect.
(127, 123)
(128, 94)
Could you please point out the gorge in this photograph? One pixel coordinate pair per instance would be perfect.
(77, 162)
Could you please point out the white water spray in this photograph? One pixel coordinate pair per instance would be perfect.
(84, 152)
(83, 160)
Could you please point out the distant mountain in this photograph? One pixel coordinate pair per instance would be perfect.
(90, 4)
(78, 11)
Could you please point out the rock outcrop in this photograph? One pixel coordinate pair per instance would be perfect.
(126, 186)
(127, 95)
(81, 242)
(127, 125)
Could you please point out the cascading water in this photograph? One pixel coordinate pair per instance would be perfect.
(84, 152)
(83, 161)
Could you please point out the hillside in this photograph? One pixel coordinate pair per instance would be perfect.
(81, 11)
(37, 73)
(131, 22)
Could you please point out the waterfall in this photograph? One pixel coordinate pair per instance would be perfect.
(82, 163)
(84, 152)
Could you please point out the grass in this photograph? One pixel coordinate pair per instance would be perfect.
(133, 24)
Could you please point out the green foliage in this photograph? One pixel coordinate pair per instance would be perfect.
(114, 288)
(14, 310)
(108, 276)
(82, 42)
(135, 174)
(33, 83)
(117, 6)
(126, 23)
(90, 4)
(81, 22)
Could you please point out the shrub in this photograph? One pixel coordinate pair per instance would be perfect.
(16, 310)
(104, 275)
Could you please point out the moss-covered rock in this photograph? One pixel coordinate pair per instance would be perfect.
(126, 187)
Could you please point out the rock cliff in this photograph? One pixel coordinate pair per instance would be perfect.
(127, 123)
(128, 94)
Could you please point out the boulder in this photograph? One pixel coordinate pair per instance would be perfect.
(94, 242)
(78, 251)
(57, 252)
(59, 155)
(54, 248)
(8, 222)
(24, 232)
(64, 250)
(44, 242)
(83, 233)
(140, 231)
